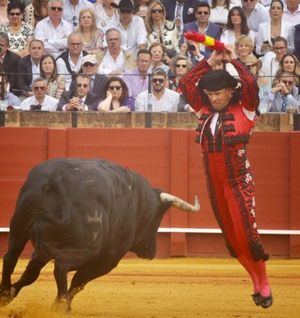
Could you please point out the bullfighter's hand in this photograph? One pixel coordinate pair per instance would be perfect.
(229, 54)
(216, 58)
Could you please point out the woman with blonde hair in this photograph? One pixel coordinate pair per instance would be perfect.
(244, 47)
(92, 36)
(159, 29)
(179, 66)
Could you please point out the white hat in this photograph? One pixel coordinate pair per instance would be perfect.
(91, 58)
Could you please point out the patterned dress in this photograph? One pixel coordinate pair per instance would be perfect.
(18, 41)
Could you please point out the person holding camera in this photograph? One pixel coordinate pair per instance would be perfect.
(202, 26)
(39, 101)
(192, 51)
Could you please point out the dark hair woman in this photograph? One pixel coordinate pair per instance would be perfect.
(48, 71)
(117, 99)
(236, 26)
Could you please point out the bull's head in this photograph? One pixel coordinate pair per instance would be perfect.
(146, 248)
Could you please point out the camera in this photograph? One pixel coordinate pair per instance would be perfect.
(35, 107)
(191, 47)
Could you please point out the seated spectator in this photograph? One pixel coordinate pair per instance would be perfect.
(117, 99)
(36, 11)
(137, 79)
(3, 12)
(29, 67)
(97, 81)
(39, 100)
(19, 32)
(203, 26)
(236, 26)
(284, 96)
(55, 83)
(8, 61)
(289, 63)
(92, 36)
(160, 99)
(159, 29)
(9, 100)
(69, 62)
(180, 65)
(291, 12)
(141, 8)
(244, 47)
(182, 11)
(256, 13)
(72, 9)
(105, 13)
(219, 12)
(267, 31)
(114, 60)
(54, 30)
(271, 60)
(80, 99)
(131, 27)
(157, 51)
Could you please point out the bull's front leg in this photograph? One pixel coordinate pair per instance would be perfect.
(7, 292)
(62, 302)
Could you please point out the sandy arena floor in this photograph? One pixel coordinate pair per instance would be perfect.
(216, 288)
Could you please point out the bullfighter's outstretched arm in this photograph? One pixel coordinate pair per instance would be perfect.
(188, 84)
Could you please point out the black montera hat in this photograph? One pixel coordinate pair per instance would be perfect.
(216, 80)
(124, 6)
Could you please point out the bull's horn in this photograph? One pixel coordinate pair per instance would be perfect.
(179, 203)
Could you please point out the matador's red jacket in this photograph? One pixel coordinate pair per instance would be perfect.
(236, 127)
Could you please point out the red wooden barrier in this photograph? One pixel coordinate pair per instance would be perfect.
(171, 160)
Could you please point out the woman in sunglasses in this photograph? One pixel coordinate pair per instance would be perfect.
(117, 99)
(48, 70)
(19, 33)
(159, 29)
(179, 66)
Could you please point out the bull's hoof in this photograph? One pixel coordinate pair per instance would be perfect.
(61, 305)
(6, 295)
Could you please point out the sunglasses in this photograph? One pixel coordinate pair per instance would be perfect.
(156, 11)
(158, 80)
(202, 12)
(248, 0)
(41, 88)
(181, 65)
(288, 82)
(16, 14)
(87, 64)
(56, 8)
(114, 87)
(83, 85)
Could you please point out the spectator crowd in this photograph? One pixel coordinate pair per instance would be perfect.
(124, 55)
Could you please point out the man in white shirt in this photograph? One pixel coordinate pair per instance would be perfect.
(161, 99)
(132, 28)
(291, 12)
(256, 13)
(69, 62)
(72, 9)
(114, 60)
(39, 100)
(53, 30)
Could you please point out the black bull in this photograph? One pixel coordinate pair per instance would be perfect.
(85, 215)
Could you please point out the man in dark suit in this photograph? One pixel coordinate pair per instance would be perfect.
(180, 9)
(29, 67)
(89, 67)
(8, 61)
(80, 99)
(203, 26)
